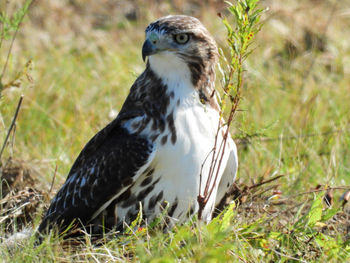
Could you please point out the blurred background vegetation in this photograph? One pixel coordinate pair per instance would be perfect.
(85, 55)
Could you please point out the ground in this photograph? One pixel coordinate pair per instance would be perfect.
(293, 121)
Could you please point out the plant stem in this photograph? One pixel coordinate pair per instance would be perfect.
(11, 126)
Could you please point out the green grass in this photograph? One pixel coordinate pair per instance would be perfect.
(82, 72)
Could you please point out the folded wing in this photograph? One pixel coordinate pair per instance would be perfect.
(106, 167)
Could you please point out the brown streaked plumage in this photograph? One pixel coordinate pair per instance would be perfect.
(157, 147)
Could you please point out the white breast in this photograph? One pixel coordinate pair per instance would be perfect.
(180, 164)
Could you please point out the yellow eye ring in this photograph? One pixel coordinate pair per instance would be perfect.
(181, 38)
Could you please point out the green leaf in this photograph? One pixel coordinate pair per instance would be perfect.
(228, 26)
(137, 221)
(228, 216)
(315, 213)
(329, 213)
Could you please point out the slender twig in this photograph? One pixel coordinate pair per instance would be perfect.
(263, 191)
(234, 107)
(318, 190)
(221, 158)
(53, 180)
(246, 140)
(12, 125)
(213, 161)
(287, 256)
(12, 144)
(214, 153)
(212, 166)
(201, 198)
(265, 182)
(201, 172)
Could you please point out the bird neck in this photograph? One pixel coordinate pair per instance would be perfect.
(187, 78)
(170, 68)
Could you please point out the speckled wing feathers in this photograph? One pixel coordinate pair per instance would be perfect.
(105, 167)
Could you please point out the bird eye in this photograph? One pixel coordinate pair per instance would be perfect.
(181, 38)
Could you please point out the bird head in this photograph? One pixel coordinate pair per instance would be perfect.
(177, 42)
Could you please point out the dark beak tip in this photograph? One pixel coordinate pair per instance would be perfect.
(147, 49)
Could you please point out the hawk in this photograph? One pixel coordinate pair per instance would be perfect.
(160, 146)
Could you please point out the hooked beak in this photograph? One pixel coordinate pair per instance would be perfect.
(148, 49)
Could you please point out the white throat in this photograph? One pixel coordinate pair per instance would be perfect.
(169, 67)
(174, 73)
